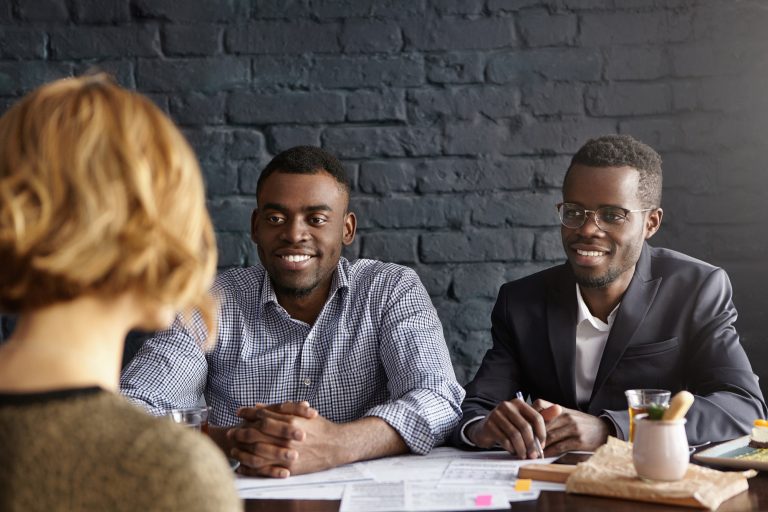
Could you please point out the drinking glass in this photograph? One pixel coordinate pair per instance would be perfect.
(639, 400)
(193, 417)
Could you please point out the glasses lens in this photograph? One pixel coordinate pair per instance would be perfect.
(610, 218)
(571, 215)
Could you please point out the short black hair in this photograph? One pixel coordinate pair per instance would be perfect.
(305, 160)
(620, 151)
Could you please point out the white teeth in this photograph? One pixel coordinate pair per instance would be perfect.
(589, 253)
(296, 257)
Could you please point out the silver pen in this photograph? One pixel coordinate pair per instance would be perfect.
(519, 395)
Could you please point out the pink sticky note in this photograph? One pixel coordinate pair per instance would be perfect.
(484, 500)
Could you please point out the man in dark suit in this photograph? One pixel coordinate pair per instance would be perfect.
(618, 315)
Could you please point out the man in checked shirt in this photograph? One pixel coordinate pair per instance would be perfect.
(319, 362)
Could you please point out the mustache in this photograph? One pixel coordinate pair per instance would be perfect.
(298, 248)
(576, 239)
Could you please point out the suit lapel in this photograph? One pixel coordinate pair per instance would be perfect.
(561, 324)
(635, 304)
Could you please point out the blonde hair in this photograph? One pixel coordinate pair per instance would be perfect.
(100, 194)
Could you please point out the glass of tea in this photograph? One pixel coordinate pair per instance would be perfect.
(640, 401)
(195, 418)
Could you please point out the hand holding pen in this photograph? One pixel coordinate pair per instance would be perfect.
(513, 425)
(536, 442)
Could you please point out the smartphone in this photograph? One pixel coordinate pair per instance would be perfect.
(572, 458)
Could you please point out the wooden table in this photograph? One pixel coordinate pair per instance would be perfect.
(755, 499)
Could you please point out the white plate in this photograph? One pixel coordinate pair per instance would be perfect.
(725, 455)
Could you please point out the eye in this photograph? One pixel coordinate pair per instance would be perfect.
(573, 213)
(317, 221)
(275, 219)
(612, 216)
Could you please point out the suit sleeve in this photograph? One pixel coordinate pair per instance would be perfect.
(499, 376)
(716, 369)
(728, 397)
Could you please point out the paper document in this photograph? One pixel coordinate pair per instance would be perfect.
(403, 496)
(473, 471)
(448, 469)
(373, 497)
(312, 486)
(493, 473)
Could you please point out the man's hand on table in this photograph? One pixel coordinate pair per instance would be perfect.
(572, 430)
(283, 439)
(512, 425)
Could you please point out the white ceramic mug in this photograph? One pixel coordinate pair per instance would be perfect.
(660, 450)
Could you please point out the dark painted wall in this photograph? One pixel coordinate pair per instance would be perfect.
(455, 117)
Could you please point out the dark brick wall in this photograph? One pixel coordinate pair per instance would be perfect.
(455, 117)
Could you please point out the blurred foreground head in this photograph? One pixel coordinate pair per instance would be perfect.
(100, 194)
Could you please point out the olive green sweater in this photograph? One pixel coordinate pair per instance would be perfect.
(88, 449)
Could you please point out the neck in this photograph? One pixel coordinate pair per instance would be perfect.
(601, 301)
(306, 308)
(77, 343)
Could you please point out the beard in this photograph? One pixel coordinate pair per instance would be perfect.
(598, 281)
(297, 293)
(293, 289)
(627, 263)
(300, 288)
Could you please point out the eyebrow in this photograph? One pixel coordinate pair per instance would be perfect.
(311, 208)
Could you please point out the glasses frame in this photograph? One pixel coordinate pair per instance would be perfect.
(595, 216)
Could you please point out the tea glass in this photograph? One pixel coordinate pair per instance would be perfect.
(639, 400)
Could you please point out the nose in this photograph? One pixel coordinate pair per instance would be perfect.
(295, 231)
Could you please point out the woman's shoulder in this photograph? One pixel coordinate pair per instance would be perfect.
(183, 469)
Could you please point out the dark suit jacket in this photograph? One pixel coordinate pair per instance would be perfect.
(673, 330)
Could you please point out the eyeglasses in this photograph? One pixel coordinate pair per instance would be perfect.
(607, 218)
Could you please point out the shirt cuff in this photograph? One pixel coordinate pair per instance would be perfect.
(412, 427)
(145, 406)
(462, 432)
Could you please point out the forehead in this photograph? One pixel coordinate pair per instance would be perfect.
(300, 190)
(601, 186)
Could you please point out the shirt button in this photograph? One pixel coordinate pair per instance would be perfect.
(307, 382)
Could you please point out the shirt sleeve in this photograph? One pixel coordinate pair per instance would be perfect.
(168, 372)
(425, 398)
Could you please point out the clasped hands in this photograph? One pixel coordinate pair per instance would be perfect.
(284, 439)
(513, 424)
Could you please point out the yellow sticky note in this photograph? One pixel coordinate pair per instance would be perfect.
(523, 484)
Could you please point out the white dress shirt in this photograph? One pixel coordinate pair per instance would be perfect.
(591, 336)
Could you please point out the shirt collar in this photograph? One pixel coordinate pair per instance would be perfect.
(339, 281)
(585, 314)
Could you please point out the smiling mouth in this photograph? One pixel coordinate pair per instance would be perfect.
(295, 258)
(590, 253)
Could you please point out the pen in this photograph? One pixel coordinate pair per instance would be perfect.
(519, 395)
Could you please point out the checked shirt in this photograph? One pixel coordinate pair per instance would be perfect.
(376, 349)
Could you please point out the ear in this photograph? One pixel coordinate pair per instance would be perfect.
(653, 222)
(350, 228)
(254, 223)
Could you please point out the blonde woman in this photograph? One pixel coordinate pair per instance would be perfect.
(103, 228)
